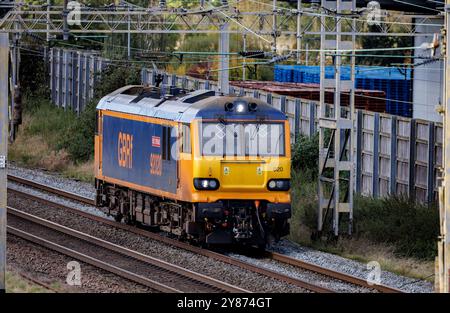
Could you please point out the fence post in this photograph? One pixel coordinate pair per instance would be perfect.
(66, 79)
(53, 75)
(412, 158)
(143, 76)
(87, 72)
(283, 104)
(431, 161)
(393, 176)
(269, 98)
(60, 77)
(94, 73)
(312, 119)
(80, 84)
(74, 80)
(298, 104)
(359, 119)
(153, 76)
(376, 155)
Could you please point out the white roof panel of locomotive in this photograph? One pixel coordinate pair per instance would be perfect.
(128, 99)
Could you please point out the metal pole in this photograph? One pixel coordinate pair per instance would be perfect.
(321, 113)
(244, 62)
(129, 35)
(4, 76)
(224, 64)
(274, 27)
(337, 116)
(14, 75)
(444, 243)
(307, 54)
(65, 24)
(299, 30)
(48, 21)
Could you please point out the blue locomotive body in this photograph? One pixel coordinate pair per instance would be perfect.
(129, 149)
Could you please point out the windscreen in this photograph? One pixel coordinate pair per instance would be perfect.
(242, 139)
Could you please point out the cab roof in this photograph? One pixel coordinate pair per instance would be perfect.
(181, 106)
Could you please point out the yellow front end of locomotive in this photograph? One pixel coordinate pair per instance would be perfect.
(242, 177)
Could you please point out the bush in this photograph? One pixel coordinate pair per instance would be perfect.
(411, 227)
(79, 137)
(305, 155)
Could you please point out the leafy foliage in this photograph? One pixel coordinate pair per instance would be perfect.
(34, 76)
(79, 138)
(305, 155)
(411, 227)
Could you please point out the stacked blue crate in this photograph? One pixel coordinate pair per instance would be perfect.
(397, 85)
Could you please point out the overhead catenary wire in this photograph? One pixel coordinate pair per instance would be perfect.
(343, 17)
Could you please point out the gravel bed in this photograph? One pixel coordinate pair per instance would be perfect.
(198, 263)
(66, 202)
(53, 180)
(50, 268)
(308, 276)
(351, 267)
(93, 250)
(284, 246)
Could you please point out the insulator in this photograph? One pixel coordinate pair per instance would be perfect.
(315, 4)
(163, 4)
(224, 2)
(280, 58)
(249, 54)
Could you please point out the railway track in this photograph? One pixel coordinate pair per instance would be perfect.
(330, 273)
(211, 254)
(134, 266)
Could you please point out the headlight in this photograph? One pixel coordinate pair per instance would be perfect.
(206, 183)
(279, 185)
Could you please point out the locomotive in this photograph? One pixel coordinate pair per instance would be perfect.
(208, 168)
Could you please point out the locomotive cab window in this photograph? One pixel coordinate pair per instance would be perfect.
(242, 139)
(166, 146)
(186, 139)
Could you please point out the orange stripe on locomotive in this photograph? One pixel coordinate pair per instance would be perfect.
(239, 177)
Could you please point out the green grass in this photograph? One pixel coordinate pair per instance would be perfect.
(38, 142)
(48, 121)
(17, 284)
(396, 232)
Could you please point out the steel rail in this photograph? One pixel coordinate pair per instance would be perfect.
(179, 244)
(53, 190)
(273, 255)
(179, 271)
(35, 281)
(91, 261)
(331, 273)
